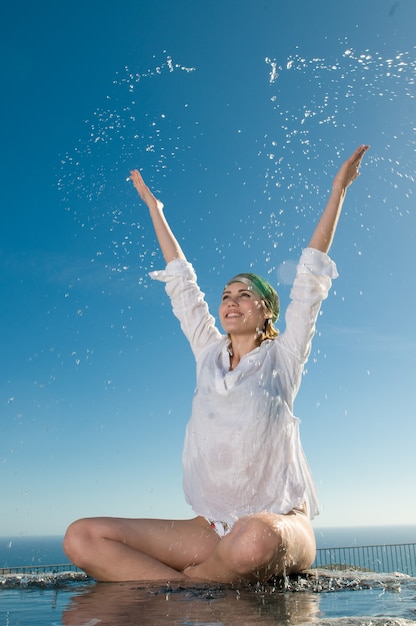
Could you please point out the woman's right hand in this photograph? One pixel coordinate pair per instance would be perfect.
(144, 191)
(350, 170)
(168, 243)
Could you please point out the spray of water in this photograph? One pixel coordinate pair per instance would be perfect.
(317, 108)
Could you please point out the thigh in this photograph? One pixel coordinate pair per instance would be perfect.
(173, 542)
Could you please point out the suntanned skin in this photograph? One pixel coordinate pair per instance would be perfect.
(259, 545)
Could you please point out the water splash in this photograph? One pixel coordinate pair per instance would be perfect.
(310, 98)
(116, 137)
(355, 94)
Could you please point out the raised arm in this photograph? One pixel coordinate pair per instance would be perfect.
(167, 241)
(325, 230)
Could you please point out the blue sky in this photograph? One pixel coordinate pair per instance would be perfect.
(238, 114)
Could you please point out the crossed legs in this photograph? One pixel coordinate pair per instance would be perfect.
(258, 547)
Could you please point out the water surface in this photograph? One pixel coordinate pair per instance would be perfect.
(322, 597)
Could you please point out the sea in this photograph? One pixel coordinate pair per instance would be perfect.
(42, 595)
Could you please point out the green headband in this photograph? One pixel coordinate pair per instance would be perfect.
(261, 288)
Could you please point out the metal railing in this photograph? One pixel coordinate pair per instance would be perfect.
(39, 569)
(379, 558)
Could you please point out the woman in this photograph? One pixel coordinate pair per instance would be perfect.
(245, 473)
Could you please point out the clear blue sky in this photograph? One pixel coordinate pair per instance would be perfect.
(239, 114)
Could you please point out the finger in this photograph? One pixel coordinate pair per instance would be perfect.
(357, 158)
(359, 153)
(135, 174)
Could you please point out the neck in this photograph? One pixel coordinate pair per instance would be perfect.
(240, 346)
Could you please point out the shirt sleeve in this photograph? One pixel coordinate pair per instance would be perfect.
(313, 281)
(188, 304)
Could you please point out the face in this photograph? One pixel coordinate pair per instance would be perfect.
(241, 310)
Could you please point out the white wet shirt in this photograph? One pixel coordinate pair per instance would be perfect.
(242, 451)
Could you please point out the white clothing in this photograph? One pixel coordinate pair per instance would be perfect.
(242, 451)
(221, 528)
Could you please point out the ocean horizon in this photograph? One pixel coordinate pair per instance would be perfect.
(39, 550)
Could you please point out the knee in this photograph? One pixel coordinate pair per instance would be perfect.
(255, 546)
(78, 541)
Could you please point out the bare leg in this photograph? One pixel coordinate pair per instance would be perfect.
(258, 547)
(114, 549)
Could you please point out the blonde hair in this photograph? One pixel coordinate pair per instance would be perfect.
(268, 331)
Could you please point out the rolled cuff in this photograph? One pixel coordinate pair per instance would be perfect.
(177, 267)
(313, 261)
